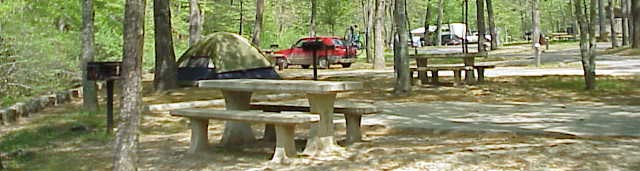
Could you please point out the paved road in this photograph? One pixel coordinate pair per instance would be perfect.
(591, 120)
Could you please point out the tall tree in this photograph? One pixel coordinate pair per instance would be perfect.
(625, 22)
(90, 94)
(427, 18)
(439, 22)
(369, 30)
(195, 22)
(492, 26)
(630, 25)
(612, 22)
(257, 28)
(635, 12)
(481, 25)
(604, 35)
(535, 13)
(166, 68)
(587, 41)
(312, 23)
(401, 54)
(378, 60)
(126, 144)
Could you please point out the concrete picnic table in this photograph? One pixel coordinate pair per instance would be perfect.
(321, 96)
(422, 60)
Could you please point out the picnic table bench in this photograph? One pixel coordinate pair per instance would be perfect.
(468, 66)
(285, 125)
(434, 69)
(320, 94)
(352, 114)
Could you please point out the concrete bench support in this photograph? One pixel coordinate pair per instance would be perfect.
(284, 124)
(352, 112)
(480, 69)
(199, 135)
(285, 143)
(457, 73)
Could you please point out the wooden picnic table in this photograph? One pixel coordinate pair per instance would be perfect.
(422, 60)
(321, 96)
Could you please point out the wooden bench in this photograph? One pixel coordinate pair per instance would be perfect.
(285, 126)
(457, 72)
(480, 69)
(352, 114)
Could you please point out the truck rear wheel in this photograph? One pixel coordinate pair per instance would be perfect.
(346, 65)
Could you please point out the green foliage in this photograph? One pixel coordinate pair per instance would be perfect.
(606, 85)
(40, 39)
(53, 131)
(36, 44)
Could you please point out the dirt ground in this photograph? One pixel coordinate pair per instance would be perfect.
(164, 140)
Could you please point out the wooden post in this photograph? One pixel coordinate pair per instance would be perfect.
(457, 78)
(434, 77)
(109, 106)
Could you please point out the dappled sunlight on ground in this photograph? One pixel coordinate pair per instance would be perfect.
(506, 123)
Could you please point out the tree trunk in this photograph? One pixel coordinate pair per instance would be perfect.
(588, 63)
(587, 42)
(604, 35)
(166, 67)
(523, 16)
(126, 144)
(369, 32)
(427, 18)
(280, 19)
(378, 61)
(492, 26)
(195, 22)
(635, 10)
(390, 30)
(439, 22)
(312, 25)
(90, 94)
(630, 24)
(625, 22)
(535, 12)
(241, 21)
(612, 21)
(401, 57)
(481, 25)
(257, 29)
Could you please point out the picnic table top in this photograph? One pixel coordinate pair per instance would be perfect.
(307, 86)
(448, 55)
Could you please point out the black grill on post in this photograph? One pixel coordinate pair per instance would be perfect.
(105, 71)
(314, 46)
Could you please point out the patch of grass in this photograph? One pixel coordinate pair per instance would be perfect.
(605, 85)
(610, 90)
(52, 132)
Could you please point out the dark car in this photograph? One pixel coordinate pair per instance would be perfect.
(333, 50)
(451, 39)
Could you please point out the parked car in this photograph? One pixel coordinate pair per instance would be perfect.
(451, 39)
(332, 51)
(473, 38)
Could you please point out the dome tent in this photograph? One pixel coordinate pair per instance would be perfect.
(223, 55)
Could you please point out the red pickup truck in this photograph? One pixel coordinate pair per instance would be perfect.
(334, 51)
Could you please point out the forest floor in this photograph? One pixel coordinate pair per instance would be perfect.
(522, 118)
